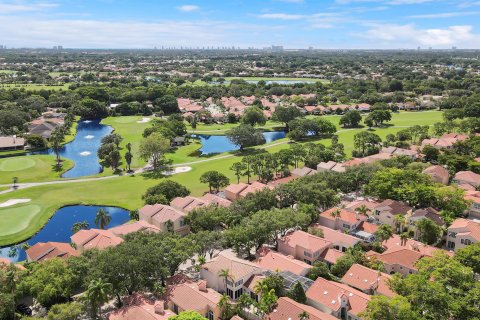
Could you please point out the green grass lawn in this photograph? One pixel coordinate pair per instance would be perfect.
(277, 79)
(36, 168)
(8, 71)
(34, 86)
(126, 191)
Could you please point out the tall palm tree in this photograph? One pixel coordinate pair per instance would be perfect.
(56, 140)
(102, 220)
(363, 210)
(225, 274)
(400, 222)
(226, 308)
(97, 294)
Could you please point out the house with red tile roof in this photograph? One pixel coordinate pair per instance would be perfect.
(240, 190)
(303, 246)
(467, 177)
(139, 307)
(42, 251)
(187, 204)
(95, 239)
(337, 299)
(444, 142)
(239, 272)
(463, 232)
(340, 240)
(12, 143)
(473, 197)
(331, 166)
(213, 199)
(368, 281)
(368, 203)
(271, 260)
(302, 172)
(165, 217)
(340, 219)
(4, 262)
(330, 256)
(438, 174)
(385, 212)
(137, 226)
(290, 309)
(396, 152)
(420, 214)
(195, 297)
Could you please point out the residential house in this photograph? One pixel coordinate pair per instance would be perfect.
(95, 239)
(444, 142)
(396, 152)
(189, 203)
(438, 174)
(420, 214)
(137, 306)
(463, 232)
(275, 261)
(165, 217)
(302, 172)
(339, 240)
(290, 309)
(303, 246)
(474, 198)
(330, 166)
(368, 281)
(195, 297)
(341, 219)
(4, 263)
(386, 211)
(467, 177)
(239, 272)
(11, 143)
(235, 191)
(337, 299)
(137, 226)
(42, 251)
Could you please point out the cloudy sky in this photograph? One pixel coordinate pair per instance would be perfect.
(326, 24)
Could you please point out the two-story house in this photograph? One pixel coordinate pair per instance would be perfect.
(165, 217)
(385, 212)
(195, 297)
(94, 239)
(341, 219)
(474, 198)
(462, 232)
(368, 281)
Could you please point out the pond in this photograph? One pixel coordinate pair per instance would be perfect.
(220, 144)
(58, 228)
(83, 149)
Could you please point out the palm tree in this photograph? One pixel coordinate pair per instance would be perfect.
(77, 226)
(97, 294)
(403, 238)
(11, 286)
(400, 221)
(56, 140)
(226, 308)
(363, 210)
(169, 226)
(303, 316)
(336, 213)
(133, 214)
(102, 220)
(225, 274)
(128, 156)
(14, 180)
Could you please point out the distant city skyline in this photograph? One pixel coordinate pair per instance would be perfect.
(293, 24)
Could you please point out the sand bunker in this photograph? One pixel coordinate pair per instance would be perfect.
(13, 202)
(178, 170)
(144, 120)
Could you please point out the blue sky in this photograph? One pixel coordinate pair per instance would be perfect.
(325, 24)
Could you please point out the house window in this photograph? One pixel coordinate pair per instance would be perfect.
(476, 206)
(175, 308)
(230, 293)
(238, 293)
(307, 261)
(239, 282)
(182, 223)
(450, 245)
(210, 315)
(346, 226)
(452, 234)
(466, 242)
(229, 282)
(307, 254)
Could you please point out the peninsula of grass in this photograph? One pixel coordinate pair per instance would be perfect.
(37, 168)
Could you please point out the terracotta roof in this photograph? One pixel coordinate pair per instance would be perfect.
(370, 204)
(11, 142)
(138, 307)
(188, 296)
(328, 293)
(187, 204)
(429, 213)
(395, 243)
(437, 171)
(252, 281)
(238, 268)
(161, 213)
(290, 309)
(236, 188)
(366, 279)
(136, 226)
(254, 187)
(345, 215)
(403, 257)
(335, 236)
(467, 227)
(42, 251)
(6, 262)
(331, 255)
(393, 206)
(468, 177)
(277, 182)
(271, 260)
(210, 198)
(95, 238)
(305, 240)
(367, 227)
(302, 172)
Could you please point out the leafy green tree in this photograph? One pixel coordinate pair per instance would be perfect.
(351, 119)
(366, 143)
(238, 168)
(385, 308)
(286, 114)
(215, 180)
(167, 104)
(153, 148)
(384, 232)
(253, 116)
(469, 256)
(102, 219)
(429, 232)
(226, 308)
(77, 226)
(168, 189)
(297, 293)
(245, 136)
(66, 311)
(97, 294)
(319, 270)
(188, 315)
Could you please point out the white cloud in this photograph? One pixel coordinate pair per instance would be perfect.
(390, 2)
(18, 7)
(445, 15)
(188, 8)
(409, 35)
(282, 16)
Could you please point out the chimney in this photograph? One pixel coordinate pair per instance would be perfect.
(202, 286)
(159, 308)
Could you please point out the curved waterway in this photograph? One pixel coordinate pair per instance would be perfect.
(58, 228)
(83, 149)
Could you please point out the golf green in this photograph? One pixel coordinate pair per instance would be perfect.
(17, 219)
(16, 164)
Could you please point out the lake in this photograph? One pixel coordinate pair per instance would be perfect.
(221, 144)
(58, 228)
(83, 149)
